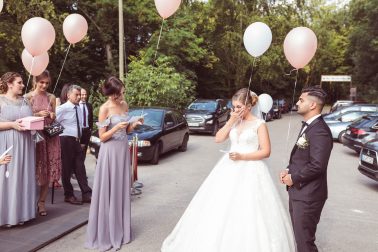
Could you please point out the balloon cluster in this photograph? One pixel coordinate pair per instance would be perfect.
(38, 35)
(299, 46)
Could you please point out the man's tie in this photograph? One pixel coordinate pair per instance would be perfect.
(77, 123)
(84, 115)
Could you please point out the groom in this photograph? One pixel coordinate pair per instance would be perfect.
(306, 174)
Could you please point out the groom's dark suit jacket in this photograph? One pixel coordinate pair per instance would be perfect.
(308, 166)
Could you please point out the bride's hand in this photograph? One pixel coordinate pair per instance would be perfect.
(236, 116)
(235, 156)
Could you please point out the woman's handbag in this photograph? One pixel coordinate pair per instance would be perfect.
(54, 129)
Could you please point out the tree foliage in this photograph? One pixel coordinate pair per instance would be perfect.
(201, 47)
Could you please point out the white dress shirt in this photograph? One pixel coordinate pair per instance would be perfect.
(309, 121)
(66, 115)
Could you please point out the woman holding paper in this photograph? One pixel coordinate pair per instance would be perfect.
(17, 179)
(49, 162)
(5, 160)
(109, 214)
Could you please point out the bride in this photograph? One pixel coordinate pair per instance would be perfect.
(237, 208)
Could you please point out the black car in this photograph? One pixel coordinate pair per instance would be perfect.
(164, 129)
(368, 159)
(361, 132)
(207, 115)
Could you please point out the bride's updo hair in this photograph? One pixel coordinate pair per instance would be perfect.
(112, 86)
(8, 77)
(246, 96)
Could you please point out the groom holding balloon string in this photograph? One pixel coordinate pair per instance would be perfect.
(306, 175)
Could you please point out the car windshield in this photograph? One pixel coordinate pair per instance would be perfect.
(152, 118)
(203, 105)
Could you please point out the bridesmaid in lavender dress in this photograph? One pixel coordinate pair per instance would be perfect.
(109, 214)
(48, 159)
(17, 179)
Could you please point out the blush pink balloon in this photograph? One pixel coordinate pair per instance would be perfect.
(38, 35)
(300, 46)
(166, 8)
(75, 27)
(39, 65)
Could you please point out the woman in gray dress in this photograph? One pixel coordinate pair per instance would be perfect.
(109, 214)
(17, 179)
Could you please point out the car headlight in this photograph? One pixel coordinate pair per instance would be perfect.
(209, 122)
(208, 116)
(95, 139)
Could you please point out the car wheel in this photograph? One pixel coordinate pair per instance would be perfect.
(156, 154)
(184, 145)
(340, 137)
(215, 129)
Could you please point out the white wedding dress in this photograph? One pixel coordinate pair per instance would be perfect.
(237, 208)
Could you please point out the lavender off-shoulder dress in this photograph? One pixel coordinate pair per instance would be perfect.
(109, 214)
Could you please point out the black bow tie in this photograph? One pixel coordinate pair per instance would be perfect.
(304, 123)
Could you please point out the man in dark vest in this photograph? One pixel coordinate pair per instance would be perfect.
(306, 174)
(87, 115)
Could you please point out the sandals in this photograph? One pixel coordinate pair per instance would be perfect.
(41, 208)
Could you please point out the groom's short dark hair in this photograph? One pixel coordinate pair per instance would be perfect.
(317, 92)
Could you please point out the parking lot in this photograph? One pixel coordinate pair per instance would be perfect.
(349, 221)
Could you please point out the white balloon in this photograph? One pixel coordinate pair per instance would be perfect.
(1, 5)
(257, 38)
(265, 102)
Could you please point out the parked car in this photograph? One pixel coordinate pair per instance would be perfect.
(369, 159)
(268, 116)
(277, 113)
(338, 125)
(207, 115)
(164, 129)
(361, 132)
(356, 107)
(342, 104)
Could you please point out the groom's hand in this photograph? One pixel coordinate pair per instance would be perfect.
(287, 180)
(283, 174)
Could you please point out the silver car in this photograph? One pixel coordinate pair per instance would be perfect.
(338, 124)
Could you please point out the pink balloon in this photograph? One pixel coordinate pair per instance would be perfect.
(75, 27)
(38, 35)
(39, 65)
(300, 46)
(166, 8)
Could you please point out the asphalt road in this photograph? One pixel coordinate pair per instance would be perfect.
(349, 221)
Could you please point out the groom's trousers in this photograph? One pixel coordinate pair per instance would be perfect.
(305, 216)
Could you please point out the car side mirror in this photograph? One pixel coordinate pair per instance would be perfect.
(169, 124)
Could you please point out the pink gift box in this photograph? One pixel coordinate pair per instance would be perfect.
(33, 122)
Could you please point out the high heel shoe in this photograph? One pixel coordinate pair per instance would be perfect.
(41, 208)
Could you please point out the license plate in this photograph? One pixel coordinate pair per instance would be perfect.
(348, 132)
(193, 124)
(367, 159)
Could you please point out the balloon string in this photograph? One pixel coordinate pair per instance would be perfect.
(31, 70)
(61, 69)
(250, 80)
(157, 46)
(27, 86)
(291, 113)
